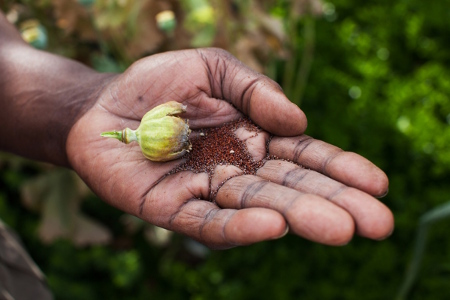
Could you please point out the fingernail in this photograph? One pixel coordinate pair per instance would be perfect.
(385, 194)
(386, 236)
(284, 233)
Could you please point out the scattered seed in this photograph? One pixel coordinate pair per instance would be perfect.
(216, 146)
(220, 146)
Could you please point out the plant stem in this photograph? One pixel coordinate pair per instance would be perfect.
(432, 216)
(306, 62)
(113, 134)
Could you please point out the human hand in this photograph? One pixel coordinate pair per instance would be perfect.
(326, 203)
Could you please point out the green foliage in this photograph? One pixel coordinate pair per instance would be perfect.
(372, 78)
(433, 216)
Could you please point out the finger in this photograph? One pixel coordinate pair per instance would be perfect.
(254, 94)
(349, 168)
(174, 203)
(255, 141)
(224, 228)
(307, 215)
(220, 176)
(372, 218)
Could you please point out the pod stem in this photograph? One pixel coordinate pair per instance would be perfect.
(125, 136)
(113, 134)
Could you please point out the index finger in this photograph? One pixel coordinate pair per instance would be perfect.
(346, 167)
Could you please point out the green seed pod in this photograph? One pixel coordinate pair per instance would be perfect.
(162, 135)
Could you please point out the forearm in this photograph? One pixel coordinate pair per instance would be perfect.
(42, 95)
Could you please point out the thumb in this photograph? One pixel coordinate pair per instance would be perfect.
(254, 94)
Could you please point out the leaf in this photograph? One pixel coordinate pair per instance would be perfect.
(273, 26)
(303, 7)
(131, 223)
(89, 232)
(157, 236)
(244, 51)
(131, 28)
(61, 205)
(72, 17)
(57, 195)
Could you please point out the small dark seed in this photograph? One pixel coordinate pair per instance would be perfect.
(220, 146)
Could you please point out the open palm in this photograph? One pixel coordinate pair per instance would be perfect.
(327, 201)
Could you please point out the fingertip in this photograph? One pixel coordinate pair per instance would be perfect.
(324, 222)
(302, 121)
(373, 219)
(381, 184)
(274, 112)
(252, 225)
(383, 227)
(354, 170)
(384, 194)
(286, 231)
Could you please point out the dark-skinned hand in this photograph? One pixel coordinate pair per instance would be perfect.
(328, 200)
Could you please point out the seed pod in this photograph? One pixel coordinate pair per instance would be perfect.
(162, 135)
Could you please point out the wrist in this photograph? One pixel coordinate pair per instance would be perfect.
(43, 95)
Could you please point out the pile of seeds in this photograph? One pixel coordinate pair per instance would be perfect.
(220, 146)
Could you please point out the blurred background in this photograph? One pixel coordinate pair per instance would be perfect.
(372, 77)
